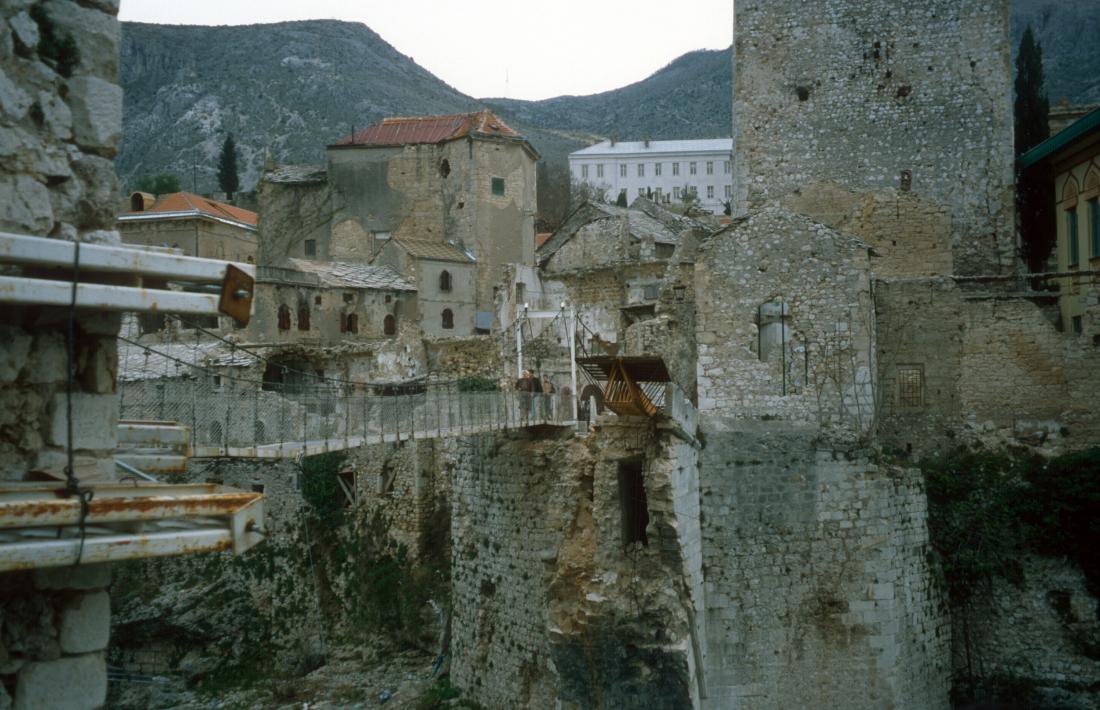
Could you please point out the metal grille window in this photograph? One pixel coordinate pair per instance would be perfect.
(911, 386)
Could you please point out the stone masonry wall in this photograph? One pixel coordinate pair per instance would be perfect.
(1044, 632)
(551, 605)
(60, 122)
(875, 94)
(822, 373)
(992, 368)
(818, 588)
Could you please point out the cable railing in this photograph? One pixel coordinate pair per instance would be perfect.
(237, 418)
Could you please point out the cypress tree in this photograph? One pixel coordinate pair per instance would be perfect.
(228, 180)
(1033, 198)
(1032, 107)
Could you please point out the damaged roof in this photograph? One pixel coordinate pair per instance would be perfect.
(418, 130)
(171, 359)
(187, 204)
(435, 251)
(647, 220)
(340, 274)
(296, 174)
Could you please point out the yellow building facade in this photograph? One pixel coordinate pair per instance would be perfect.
(1073, 159)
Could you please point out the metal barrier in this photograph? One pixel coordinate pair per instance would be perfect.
(238, 418)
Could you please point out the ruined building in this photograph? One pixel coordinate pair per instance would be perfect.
(739, 525)
(424, 195)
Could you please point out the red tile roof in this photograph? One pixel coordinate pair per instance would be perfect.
(541, 238)
(412, 130)
(190, 202)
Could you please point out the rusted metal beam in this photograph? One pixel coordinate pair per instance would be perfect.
(39, 251)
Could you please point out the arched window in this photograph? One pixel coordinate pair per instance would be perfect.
(448, 318)
(352, 323)
(445, 281)
(303, 318)
(284, 317)
(389, 326)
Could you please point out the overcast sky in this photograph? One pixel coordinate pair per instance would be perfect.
(523, 49)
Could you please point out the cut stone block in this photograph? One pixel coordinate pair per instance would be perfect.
(86, 623)
(76, 683)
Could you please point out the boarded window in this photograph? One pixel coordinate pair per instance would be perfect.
(498, 186)
(448, 319)
(632, 502)
(284, 317)
(389, 325)
(311, 247)
(303, 318)
(445, 281)
(911, 385)
(346, 496)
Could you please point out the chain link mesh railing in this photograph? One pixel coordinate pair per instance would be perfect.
(230, 417)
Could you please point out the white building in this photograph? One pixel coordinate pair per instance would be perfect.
(662, 169)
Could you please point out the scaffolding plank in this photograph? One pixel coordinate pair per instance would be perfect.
(40, 251)
(20, 289)
(31, 554)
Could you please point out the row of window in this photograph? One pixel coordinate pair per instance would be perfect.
(693, 169)
(658, 194)
(1092, 213)
(349, 322)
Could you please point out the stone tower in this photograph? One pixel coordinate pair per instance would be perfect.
(848, 110)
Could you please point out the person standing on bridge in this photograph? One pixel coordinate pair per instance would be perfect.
(547, 396)
(526, 385)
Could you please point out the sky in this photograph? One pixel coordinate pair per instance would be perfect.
(520, 49)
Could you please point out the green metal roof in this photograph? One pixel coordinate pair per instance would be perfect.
(1081, 127)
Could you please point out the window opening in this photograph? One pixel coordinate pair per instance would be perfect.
(445, 281)
(352, 324)
(311, 247)
(389, 325)
(317, 300)
(303, 318)
(448, 319)
(911, 385)
(346, 481)
(498, 186)
(444, 167)
(632, 503)
(284, 317)
(1078, 325)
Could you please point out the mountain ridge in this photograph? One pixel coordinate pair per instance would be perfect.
(291, 88)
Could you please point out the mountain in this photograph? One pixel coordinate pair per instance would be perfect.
(689, 98)
(291, 88)
(1069, 32)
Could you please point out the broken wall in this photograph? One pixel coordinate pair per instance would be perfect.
(955, 366)
(784, 324)
(552, 598)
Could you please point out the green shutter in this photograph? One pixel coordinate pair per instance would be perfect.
(1071, 232)
(1094, 227)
